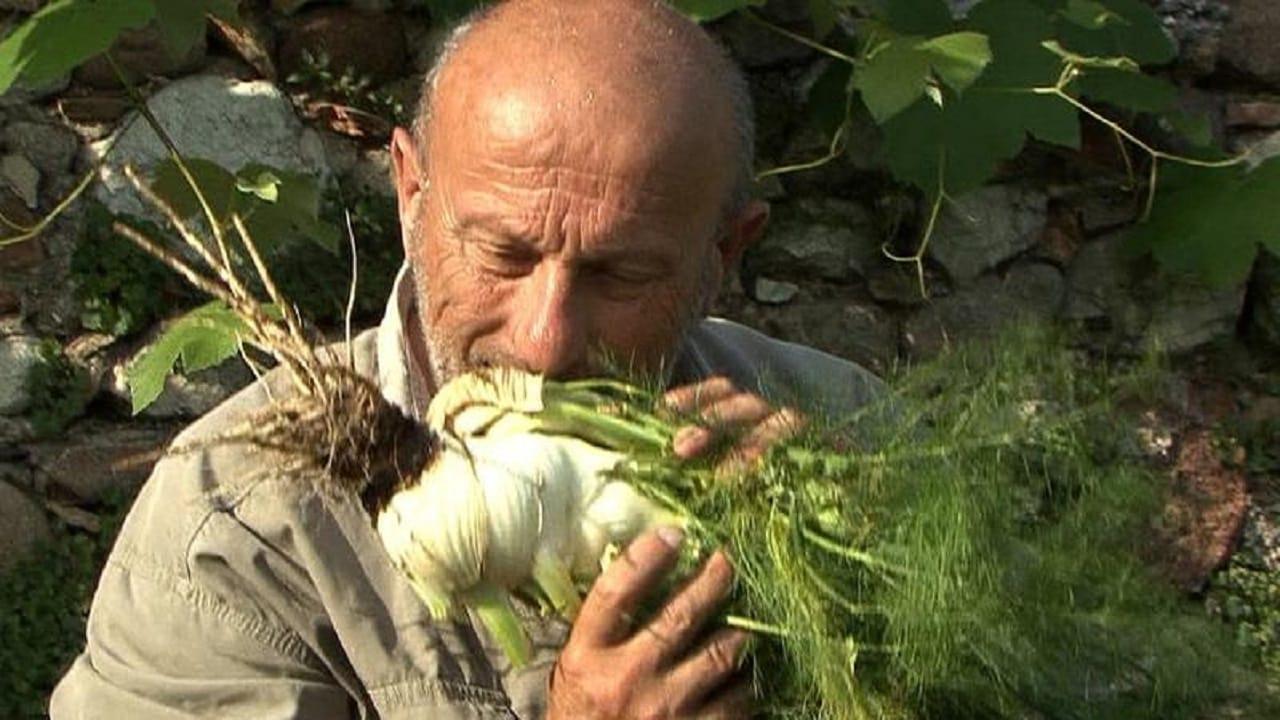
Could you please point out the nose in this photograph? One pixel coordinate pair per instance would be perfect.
(550, 334)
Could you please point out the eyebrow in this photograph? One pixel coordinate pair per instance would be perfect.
(498, 227)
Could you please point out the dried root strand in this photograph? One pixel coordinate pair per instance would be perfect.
(337, 428)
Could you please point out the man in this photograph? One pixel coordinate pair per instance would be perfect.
(576, 185)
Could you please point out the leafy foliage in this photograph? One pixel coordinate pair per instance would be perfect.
(343, 85)
(1212, 221)
(59, 391)
(65, 33)
(967, 549)
(44, 602)
(319, 283)
(200, 339)
(120, 288)
(276, 205)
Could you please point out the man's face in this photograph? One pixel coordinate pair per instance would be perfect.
(549, 238)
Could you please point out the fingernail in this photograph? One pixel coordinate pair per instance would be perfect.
(672, 536)
(687, 438)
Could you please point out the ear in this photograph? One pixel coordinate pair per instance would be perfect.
(409, 181)
(744, 229)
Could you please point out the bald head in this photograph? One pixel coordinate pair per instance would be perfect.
(629, 67)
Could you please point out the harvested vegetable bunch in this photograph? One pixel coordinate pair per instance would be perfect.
(966, 551)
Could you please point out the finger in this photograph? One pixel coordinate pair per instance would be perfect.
(692, 398)
(676, 625)
(708, 667)
(781, 425)
(735, 702)
(738, 410)
(604, 617)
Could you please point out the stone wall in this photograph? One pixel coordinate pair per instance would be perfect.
(1041, 242)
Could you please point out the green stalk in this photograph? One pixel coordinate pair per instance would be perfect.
(552, 576)
(493, 606)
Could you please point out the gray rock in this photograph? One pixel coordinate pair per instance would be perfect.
(809, 250)
(98, 458)
(371, 173)
(230, 122)
(49, 146)
(1033, 293)
(22, 525)
(187, 396)
(829, 238)
(773, 292)
(1264, 314)
(1249, 40)
(1143, 308)
(18, 354)
(986, 227)
(1187, 314)
(858, 331)
(22, 178)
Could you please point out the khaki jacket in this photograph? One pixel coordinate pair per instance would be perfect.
(232, 593)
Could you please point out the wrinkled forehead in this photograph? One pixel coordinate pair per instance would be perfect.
(612, 120)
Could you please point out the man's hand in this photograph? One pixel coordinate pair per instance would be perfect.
(724, 408)
(610, 670)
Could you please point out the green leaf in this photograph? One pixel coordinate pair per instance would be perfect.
(1089, 14)
(1132, 30)
(1132, 90)
(958, 58)
(201, 339)
(293, 213)
(216, 183)
(1211, 221)
(919, 17)
(823, 13)
(707, 10)
(265, 185)
(893, 78)
(64, 34)
(964, 142)
(825, 101)
(182, 22)
(1015, 31)
(1195, 128)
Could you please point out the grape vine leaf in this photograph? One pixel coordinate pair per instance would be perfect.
(708, 10)
(1131, 29)
(893, 77)
(1211, 221)
(182, 22)
(919, 17)
(961, 143)
(958, 58)
(901, 70)
(200, 339)
(276, 205)
(64, 34)
(1127, 89)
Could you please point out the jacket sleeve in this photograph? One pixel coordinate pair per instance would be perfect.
(185, 621)
(160, 647)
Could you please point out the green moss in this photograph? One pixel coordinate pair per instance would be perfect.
(121, 290)
(1246, 595)
(59, 391)
(44, 603)
(319, 282)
